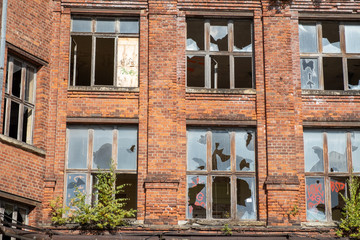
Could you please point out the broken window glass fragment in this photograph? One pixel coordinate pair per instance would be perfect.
(331, 37)
(308, 38)
(337, 151)
(315, 199)
(195, 35)
(221, 150)
(196, 149)
(195, 71)
(313, 151)
(352, 36)
(338, 186)
(103, 139)
(309, 73)
(196, 196)
(127, 148)
(333, 73)
(355, 150)
(242, 36)
(127, 62)
(246, 203)
(75, 181)
(245, 150)
(221, 193)
(218, 35)
(353, 66)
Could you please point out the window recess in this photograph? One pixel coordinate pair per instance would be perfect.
(104, 52)
(219, 54)
(330, 55)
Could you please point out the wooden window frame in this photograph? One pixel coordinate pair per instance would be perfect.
(206, 53)
(114, 35)
(9, 98)
(16, 207)
(319, 55)
(326, 174)
(233, 174)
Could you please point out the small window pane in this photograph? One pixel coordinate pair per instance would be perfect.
(221, 192)
(129, 183)
(16, 81)
(308, 38)
(103, 139)
(127, 62)
(81, 25)
(315, 199)
(27, 125)
(196, 149)
(104, 62)
(355, 149)
(196, 197)
(353, 74)
(246, 200)
(337, 186)
(195, 35)
(78, 147)
(220, 72)
(245, 150)
(105, 25)
(352, 36)
(218, 35)
(333, 73)
(337, 151)
(195, 71)
(243, 72)
(81, 54)
(313, 150)
(4, 115)
(129, 26)
(14, 120)
(221, 150)
(8, 214)
(74, 181)
(242, 36)
(309, 73)
(29, 85)
(331, 37)
(127, 148)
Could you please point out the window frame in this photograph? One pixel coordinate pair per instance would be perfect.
(206, 53)
(111, 35)
(16, 208)
(233, 174)
(326, 174)
(320, 55)
(9, 97)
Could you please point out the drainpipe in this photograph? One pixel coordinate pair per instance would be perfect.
(2, 47)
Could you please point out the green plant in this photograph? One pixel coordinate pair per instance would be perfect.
(226, 230)
(294, 210)
(107, 212)
(350, 224)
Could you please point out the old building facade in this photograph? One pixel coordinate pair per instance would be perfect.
(214, 111)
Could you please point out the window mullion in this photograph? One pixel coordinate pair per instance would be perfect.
(93, 58)
(21, 106)
(349, 152)
(207, 56)
(209, 178)
(233, 196)
(115, 60)
(115, 147)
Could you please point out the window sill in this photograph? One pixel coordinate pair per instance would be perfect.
(103, 89)
(221, 222)
(221, 91)
(22, 145)
(319, 224)
(331, 92)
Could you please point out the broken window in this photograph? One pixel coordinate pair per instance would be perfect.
(331, 156)
(219, 53)
(104, 52)
(221, 173)
(12, 213)
(91, 149)
(329, 55)
(19, 100)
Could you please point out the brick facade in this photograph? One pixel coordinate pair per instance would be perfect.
(163, 107)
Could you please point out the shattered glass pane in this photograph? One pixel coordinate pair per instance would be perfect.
(333, 73)
(16, 81)
(103, 139)
(196, 149)
(74, 181)
(243, 72)
(355, 150)
(81, 25)
(315, 199)
(127, 148)
(105, 25)
(337, 186)
(242, 36)
(245, 150)
(221, 196)
(313, 151)
(246, 199)
(129, 26)
(195, 71)
(220, 72)
(353, 74)
(352, 36)
(218, 35)
(195, 35)
(196, 207)
(337, 151)
(309, 73)
(78, 147)
(308, 38)
(221, 150)
(331, 37)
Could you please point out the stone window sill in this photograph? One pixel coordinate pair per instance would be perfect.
(319, 224)
(102, 89)
(248, 91)
(331, 92)
(22, 145)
